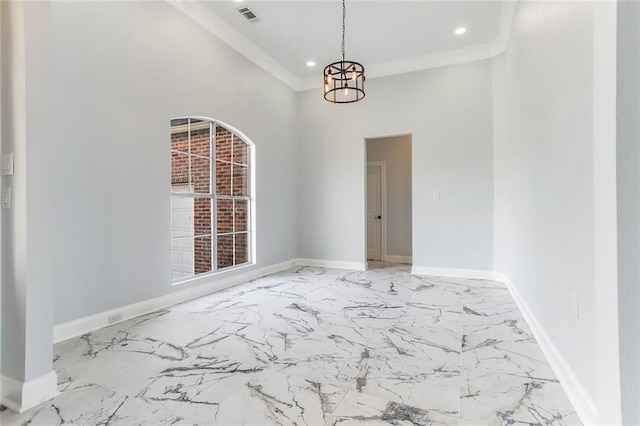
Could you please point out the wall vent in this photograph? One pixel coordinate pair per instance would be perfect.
(248, 13)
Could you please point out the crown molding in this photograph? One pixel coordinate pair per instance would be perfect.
(506, 22)
(225, 32)
(419, 63)
(216, 26)
(441, 59)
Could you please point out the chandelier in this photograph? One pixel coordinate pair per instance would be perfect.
(344, 80)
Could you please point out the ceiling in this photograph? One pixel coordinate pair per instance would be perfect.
(386, 36)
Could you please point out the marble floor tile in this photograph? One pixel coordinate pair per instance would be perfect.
(505, 378)
(314, 346)
(274, 398)
(82, 402)
(498, 399)
(362, 409)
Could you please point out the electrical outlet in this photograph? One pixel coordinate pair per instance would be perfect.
(575, 304)
(115, 317)
(436, 195)
(6, 164)
(6, 197)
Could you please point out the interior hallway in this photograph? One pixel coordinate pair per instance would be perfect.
(314, 346)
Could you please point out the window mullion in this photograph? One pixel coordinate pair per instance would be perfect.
(232, 136)
(233, 209)
(190, 189)
(234, 197)
(214, 193)
(189, 156)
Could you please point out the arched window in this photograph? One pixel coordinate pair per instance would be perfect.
(211, 197)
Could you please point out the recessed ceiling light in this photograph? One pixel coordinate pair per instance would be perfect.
(460, 31)
(311, 64)
(238, 1)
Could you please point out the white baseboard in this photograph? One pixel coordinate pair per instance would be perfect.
(397, 259)
(453, 272)
(582, 402)
(335, 264)
(94, 322)
(21, 396)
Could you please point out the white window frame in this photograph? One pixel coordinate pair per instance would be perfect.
(214, 197)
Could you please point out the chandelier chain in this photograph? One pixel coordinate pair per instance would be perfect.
(344, 13)
(343, 81)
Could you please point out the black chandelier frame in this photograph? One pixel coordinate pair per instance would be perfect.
(343, 81)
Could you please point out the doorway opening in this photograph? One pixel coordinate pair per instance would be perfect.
(388, 200)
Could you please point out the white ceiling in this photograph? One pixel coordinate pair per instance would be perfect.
(386, 36)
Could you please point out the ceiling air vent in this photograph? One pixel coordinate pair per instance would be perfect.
(248, 13)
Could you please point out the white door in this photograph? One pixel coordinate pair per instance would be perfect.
(374, 212)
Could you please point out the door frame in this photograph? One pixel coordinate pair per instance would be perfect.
(383, 202)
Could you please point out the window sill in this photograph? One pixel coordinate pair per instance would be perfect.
(206, 275)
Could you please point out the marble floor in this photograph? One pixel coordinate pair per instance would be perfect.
(314, 346)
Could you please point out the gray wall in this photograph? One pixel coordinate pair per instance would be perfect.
(448, 113)
(27, 311)
(396, 152)
(543, 157)
(3, 99)
(605, 263)
(628, 178)
(121, 71)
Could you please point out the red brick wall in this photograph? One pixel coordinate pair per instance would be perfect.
(200, 182)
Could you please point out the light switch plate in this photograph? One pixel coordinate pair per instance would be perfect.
(6, 164)
(6, 197)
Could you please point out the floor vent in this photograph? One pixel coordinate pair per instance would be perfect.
(248, 13)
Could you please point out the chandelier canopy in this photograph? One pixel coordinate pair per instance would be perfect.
(343, 81)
